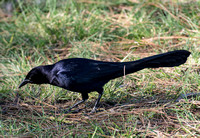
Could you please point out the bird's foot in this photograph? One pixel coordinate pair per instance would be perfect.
(188, 95)
(60, 111)
(66, 111)
(72, 111)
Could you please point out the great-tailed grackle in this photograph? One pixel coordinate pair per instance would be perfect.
(86, 75)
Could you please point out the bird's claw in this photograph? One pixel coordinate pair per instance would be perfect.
(71, 111)
(66, 111)
(61, 111)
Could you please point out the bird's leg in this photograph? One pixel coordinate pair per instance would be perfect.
(76, 104)
(84, 98)
(97, 102)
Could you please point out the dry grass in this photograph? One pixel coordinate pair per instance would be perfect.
(140, 117)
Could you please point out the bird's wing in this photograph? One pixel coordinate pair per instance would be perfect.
(96, 71)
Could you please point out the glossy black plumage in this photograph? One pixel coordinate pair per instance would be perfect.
(86, 75)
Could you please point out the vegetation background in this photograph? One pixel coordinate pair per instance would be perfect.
(39, 32)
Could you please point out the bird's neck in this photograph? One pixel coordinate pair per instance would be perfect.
(46, 71)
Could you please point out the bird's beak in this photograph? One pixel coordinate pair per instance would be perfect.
(24, 82)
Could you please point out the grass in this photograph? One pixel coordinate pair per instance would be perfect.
(116, 30)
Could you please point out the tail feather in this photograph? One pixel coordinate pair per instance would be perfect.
(169, 59)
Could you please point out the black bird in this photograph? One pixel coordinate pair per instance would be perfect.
(86, 75)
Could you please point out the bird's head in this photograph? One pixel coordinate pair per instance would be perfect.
(35, 76)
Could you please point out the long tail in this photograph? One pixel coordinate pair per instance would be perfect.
(169, 59)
